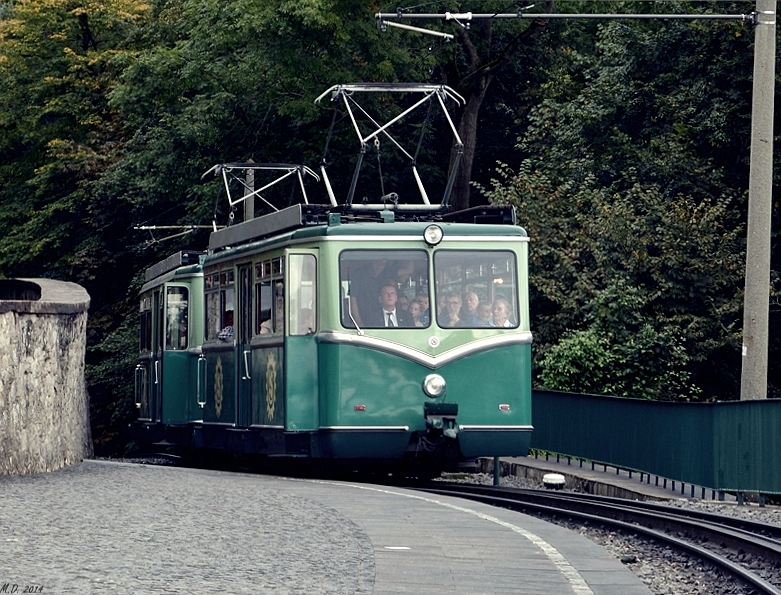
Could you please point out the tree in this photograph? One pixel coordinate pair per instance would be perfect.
(486, 49)
(233, 83)
(57, 137)
(57, 129)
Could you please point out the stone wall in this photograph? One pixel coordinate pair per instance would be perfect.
(44, 406)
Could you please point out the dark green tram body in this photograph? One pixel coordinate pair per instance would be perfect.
(372, 403)
(390, 388)
(169, 385)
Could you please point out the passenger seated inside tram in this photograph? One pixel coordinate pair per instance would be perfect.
(469, 309)
(385, 313)
(415, 310)
(266, 327)
(501, 313)
(226, 334)
(451, 316)
(484, 314)
(269, 327)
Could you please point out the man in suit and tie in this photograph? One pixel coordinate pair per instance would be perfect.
(388, 315)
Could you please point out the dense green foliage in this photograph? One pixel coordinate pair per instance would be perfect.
(624, 146)
(633, 185)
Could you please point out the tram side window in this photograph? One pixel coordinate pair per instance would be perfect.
(176, 318)
(145, 339)
(476, 289)
(220, 304)
(376, 283)
(303, 292)
(269, 297)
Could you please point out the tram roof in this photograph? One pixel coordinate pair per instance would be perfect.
(322, 220)
(176, 260)
(410, 228)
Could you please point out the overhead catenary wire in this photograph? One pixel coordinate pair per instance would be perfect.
(463, 19)
(470, 16)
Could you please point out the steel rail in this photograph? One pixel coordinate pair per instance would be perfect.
(761, 538)
(519, 500)
(671, 519)
(768, 536)
(771, 532)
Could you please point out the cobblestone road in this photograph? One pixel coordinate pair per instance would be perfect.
(105, 527)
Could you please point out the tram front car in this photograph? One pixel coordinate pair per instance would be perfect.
(346, 341)
(447, 379)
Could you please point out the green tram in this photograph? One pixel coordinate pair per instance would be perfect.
(357, 334)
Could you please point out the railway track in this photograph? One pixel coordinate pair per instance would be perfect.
(746, 550)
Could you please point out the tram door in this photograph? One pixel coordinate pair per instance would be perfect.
(159, 338)
(145, 369)
(244, 353)
(156, 358)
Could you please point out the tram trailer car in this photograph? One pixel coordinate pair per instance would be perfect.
(168, 390)
(296, 359)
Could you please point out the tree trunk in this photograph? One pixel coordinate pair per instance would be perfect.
(467, 130)
(483, 69)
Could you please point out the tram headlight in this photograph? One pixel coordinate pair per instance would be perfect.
(434, 385)
(433, 235)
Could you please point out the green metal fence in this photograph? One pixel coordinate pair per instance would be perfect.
(729, 446)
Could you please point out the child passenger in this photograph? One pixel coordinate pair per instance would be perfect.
(484, 314)
(416, 309)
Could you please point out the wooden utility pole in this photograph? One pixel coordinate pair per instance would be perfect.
(249, 201)
(753, 380)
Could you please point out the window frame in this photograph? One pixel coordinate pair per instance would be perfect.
(219, 292)
(298, 278)
(270, 274)
(184, 328)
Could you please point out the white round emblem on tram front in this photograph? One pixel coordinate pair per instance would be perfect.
(433, 341)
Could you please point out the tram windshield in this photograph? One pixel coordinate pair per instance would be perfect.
(378, 288)
(390, 288)
(476, 289)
